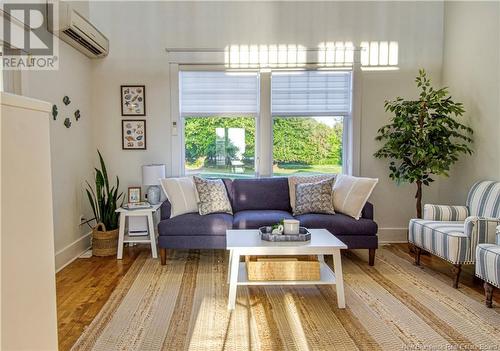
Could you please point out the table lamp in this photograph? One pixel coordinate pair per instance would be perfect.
(151, 175)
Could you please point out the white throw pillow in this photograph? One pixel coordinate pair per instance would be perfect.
(294, 180)
(351, 193)
(181, 192)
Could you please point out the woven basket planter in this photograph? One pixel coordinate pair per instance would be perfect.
(104, 243)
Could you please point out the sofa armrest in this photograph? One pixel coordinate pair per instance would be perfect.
(498, 235)
(367, 211)
(165, 210)
(445, 213)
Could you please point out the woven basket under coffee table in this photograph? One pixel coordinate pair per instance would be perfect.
(266, 268)
(247, 242)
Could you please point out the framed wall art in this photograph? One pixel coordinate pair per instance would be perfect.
(134, 134)
(133, 98)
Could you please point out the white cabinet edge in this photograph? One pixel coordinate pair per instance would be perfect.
(13, 100)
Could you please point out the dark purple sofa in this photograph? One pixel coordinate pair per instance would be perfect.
(256, 203)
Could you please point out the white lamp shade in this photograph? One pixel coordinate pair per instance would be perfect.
(151, 174)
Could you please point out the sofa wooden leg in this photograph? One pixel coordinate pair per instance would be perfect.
(418, 252)
(371, 256)
(488, 291)
(163, 256)
(456, 270)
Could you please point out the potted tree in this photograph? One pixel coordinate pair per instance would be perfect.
(103, 200)
(423, 138)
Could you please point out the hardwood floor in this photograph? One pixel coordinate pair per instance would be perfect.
(84, 286)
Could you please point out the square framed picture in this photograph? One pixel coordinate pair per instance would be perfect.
(134, 134)
(134, 194)
(133, 98)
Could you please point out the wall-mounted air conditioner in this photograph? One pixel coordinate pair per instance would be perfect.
(78, 32)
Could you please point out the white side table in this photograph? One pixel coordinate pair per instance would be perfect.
(125, 238)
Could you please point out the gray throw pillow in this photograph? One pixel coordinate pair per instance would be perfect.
(213, 196)
(314, 197)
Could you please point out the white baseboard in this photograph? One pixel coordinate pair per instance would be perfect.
(71, 252)
(392, 235)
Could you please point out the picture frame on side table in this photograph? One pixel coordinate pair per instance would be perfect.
(133, 100)
(134, 194)
(134, 134)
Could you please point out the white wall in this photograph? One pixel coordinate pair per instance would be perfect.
(72, 150)
(28, 292)
(471, 68)
(139, 35)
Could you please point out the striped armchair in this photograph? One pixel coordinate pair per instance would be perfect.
(453, 232)
(488, 267)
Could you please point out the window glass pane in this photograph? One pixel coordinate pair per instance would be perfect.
(220, 146)
(307, 145)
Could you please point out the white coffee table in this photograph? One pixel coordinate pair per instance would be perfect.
(242, 242)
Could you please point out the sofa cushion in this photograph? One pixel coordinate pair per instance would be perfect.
(229, 188)
(351, 193)
(195, 224)
(181, 193)
(261, 194)
(253, 219)
(294, 180)
(212, 195)
(314, 197)
(338, 224)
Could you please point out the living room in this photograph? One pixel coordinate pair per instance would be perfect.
(251, 114)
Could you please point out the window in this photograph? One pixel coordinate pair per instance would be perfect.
(311, 112)
(219, 111)
(301, 127)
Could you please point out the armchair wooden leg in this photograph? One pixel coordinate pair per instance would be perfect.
(411, 248)
(163, 256)
(371, 256)
(488, 291)
(418, 252)
(457, 268)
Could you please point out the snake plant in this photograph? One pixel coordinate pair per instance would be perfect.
(104, 199)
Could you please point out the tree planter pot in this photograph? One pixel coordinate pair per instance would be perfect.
(104, 243)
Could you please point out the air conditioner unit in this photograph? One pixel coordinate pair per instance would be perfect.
(78, 32)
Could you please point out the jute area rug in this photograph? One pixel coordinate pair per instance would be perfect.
(392, 306)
